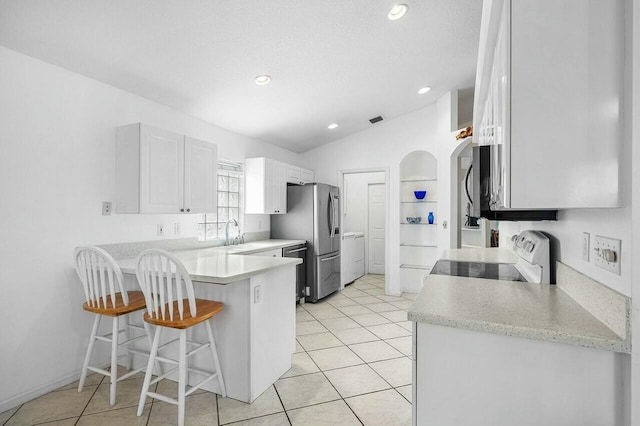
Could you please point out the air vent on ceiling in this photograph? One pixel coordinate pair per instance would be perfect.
(375, 120)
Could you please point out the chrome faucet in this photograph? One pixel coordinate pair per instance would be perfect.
(226, 234)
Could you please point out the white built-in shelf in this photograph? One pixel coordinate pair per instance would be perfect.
(418, 224)
(466, 228)
(418, 245)
(418, 202)
(418, 179)
(410, 266)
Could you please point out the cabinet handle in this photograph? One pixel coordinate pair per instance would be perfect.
(188, 210)
(181, 210)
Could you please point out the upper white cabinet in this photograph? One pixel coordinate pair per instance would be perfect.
(163, 172)
(549, 98)
(266, 186)
(298, 175)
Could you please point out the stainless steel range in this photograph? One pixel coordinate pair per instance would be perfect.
(533, 265)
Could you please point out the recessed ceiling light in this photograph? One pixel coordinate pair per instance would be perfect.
(332, 126)
(397, 11)
(424, 90)
(261, 80)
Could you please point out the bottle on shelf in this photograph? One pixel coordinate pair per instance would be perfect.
(430, 218)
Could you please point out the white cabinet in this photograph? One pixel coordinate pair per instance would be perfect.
(268, 253)
(352, 256)
(162, 172)
(298, 175)
(266, 186)
(549, 98)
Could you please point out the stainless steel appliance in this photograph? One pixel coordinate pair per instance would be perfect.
(313, 214)
(488, 189)
(299, 251)
(534, 263)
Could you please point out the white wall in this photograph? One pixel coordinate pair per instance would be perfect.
(380, 147)
(356, 205)
(57, 165)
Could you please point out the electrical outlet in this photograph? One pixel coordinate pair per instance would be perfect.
(106, 208)
(585, 246)
(257, 294)
(607, 254)
(176, 228)
(160, 230)
(259, 224)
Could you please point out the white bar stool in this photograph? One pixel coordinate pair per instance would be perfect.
(162, 278)
(102, 282)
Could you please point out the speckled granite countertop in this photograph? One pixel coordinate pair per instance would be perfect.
(535, 311)
(224, 265)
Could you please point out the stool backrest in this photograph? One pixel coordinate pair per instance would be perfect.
(100, 275)
(162, 277)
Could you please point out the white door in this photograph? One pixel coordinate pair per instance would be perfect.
(200, 176)
(376, 213)
(161, 171)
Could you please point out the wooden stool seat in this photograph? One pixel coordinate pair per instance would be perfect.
(206, 309)
(136, 302)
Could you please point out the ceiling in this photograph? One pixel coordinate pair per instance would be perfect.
(331, 61)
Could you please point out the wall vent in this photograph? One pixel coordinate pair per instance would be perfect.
(374, 120)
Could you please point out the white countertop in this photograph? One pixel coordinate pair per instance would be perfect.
(483, 255)
(534, 311)
(224, 265)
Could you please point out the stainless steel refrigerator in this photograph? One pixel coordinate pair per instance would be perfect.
(313, 214)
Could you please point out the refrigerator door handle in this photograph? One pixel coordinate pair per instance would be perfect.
(326, 259)
(331, 216)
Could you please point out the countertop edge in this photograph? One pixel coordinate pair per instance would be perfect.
(620, 346)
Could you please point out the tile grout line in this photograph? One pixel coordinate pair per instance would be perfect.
(282, 403)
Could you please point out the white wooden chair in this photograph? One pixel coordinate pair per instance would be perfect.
(102, 282)
(171, 303)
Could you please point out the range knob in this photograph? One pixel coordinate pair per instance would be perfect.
(514, 238)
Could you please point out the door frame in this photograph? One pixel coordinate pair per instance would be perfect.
(387, 224)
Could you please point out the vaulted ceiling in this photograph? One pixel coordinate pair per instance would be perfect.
(330, 61)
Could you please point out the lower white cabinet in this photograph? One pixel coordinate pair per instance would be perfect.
(352, 257)
(163, 172)
(269, 253)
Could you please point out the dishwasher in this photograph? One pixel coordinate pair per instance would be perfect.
(299, 251)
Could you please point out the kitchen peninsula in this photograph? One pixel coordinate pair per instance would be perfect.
(255, 333)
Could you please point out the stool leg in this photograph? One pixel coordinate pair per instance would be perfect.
(114, 361)
(182, 376)
(147, 375)
(216, 361)
(127, 334)
(148, 330)
(87, 357)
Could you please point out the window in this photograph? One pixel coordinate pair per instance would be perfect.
(213, 225)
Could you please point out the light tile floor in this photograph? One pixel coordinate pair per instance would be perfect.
(352, 366)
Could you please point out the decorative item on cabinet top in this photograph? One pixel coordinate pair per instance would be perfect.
(158, 171)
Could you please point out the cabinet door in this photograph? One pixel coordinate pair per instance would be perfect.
(161, 171)
(306, 176)
(200, 174)
(271, 188)
(281, 188)
(293, 174)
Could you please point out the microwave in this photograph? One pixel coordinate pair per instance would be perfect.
(488, 189)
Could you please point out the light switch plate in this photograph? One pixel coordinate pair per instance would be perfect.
(160, 230)
(257, 294)
(176, 228)
(605, 243)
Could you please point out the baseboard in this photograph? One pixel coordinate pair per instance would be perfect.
(38, 391)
